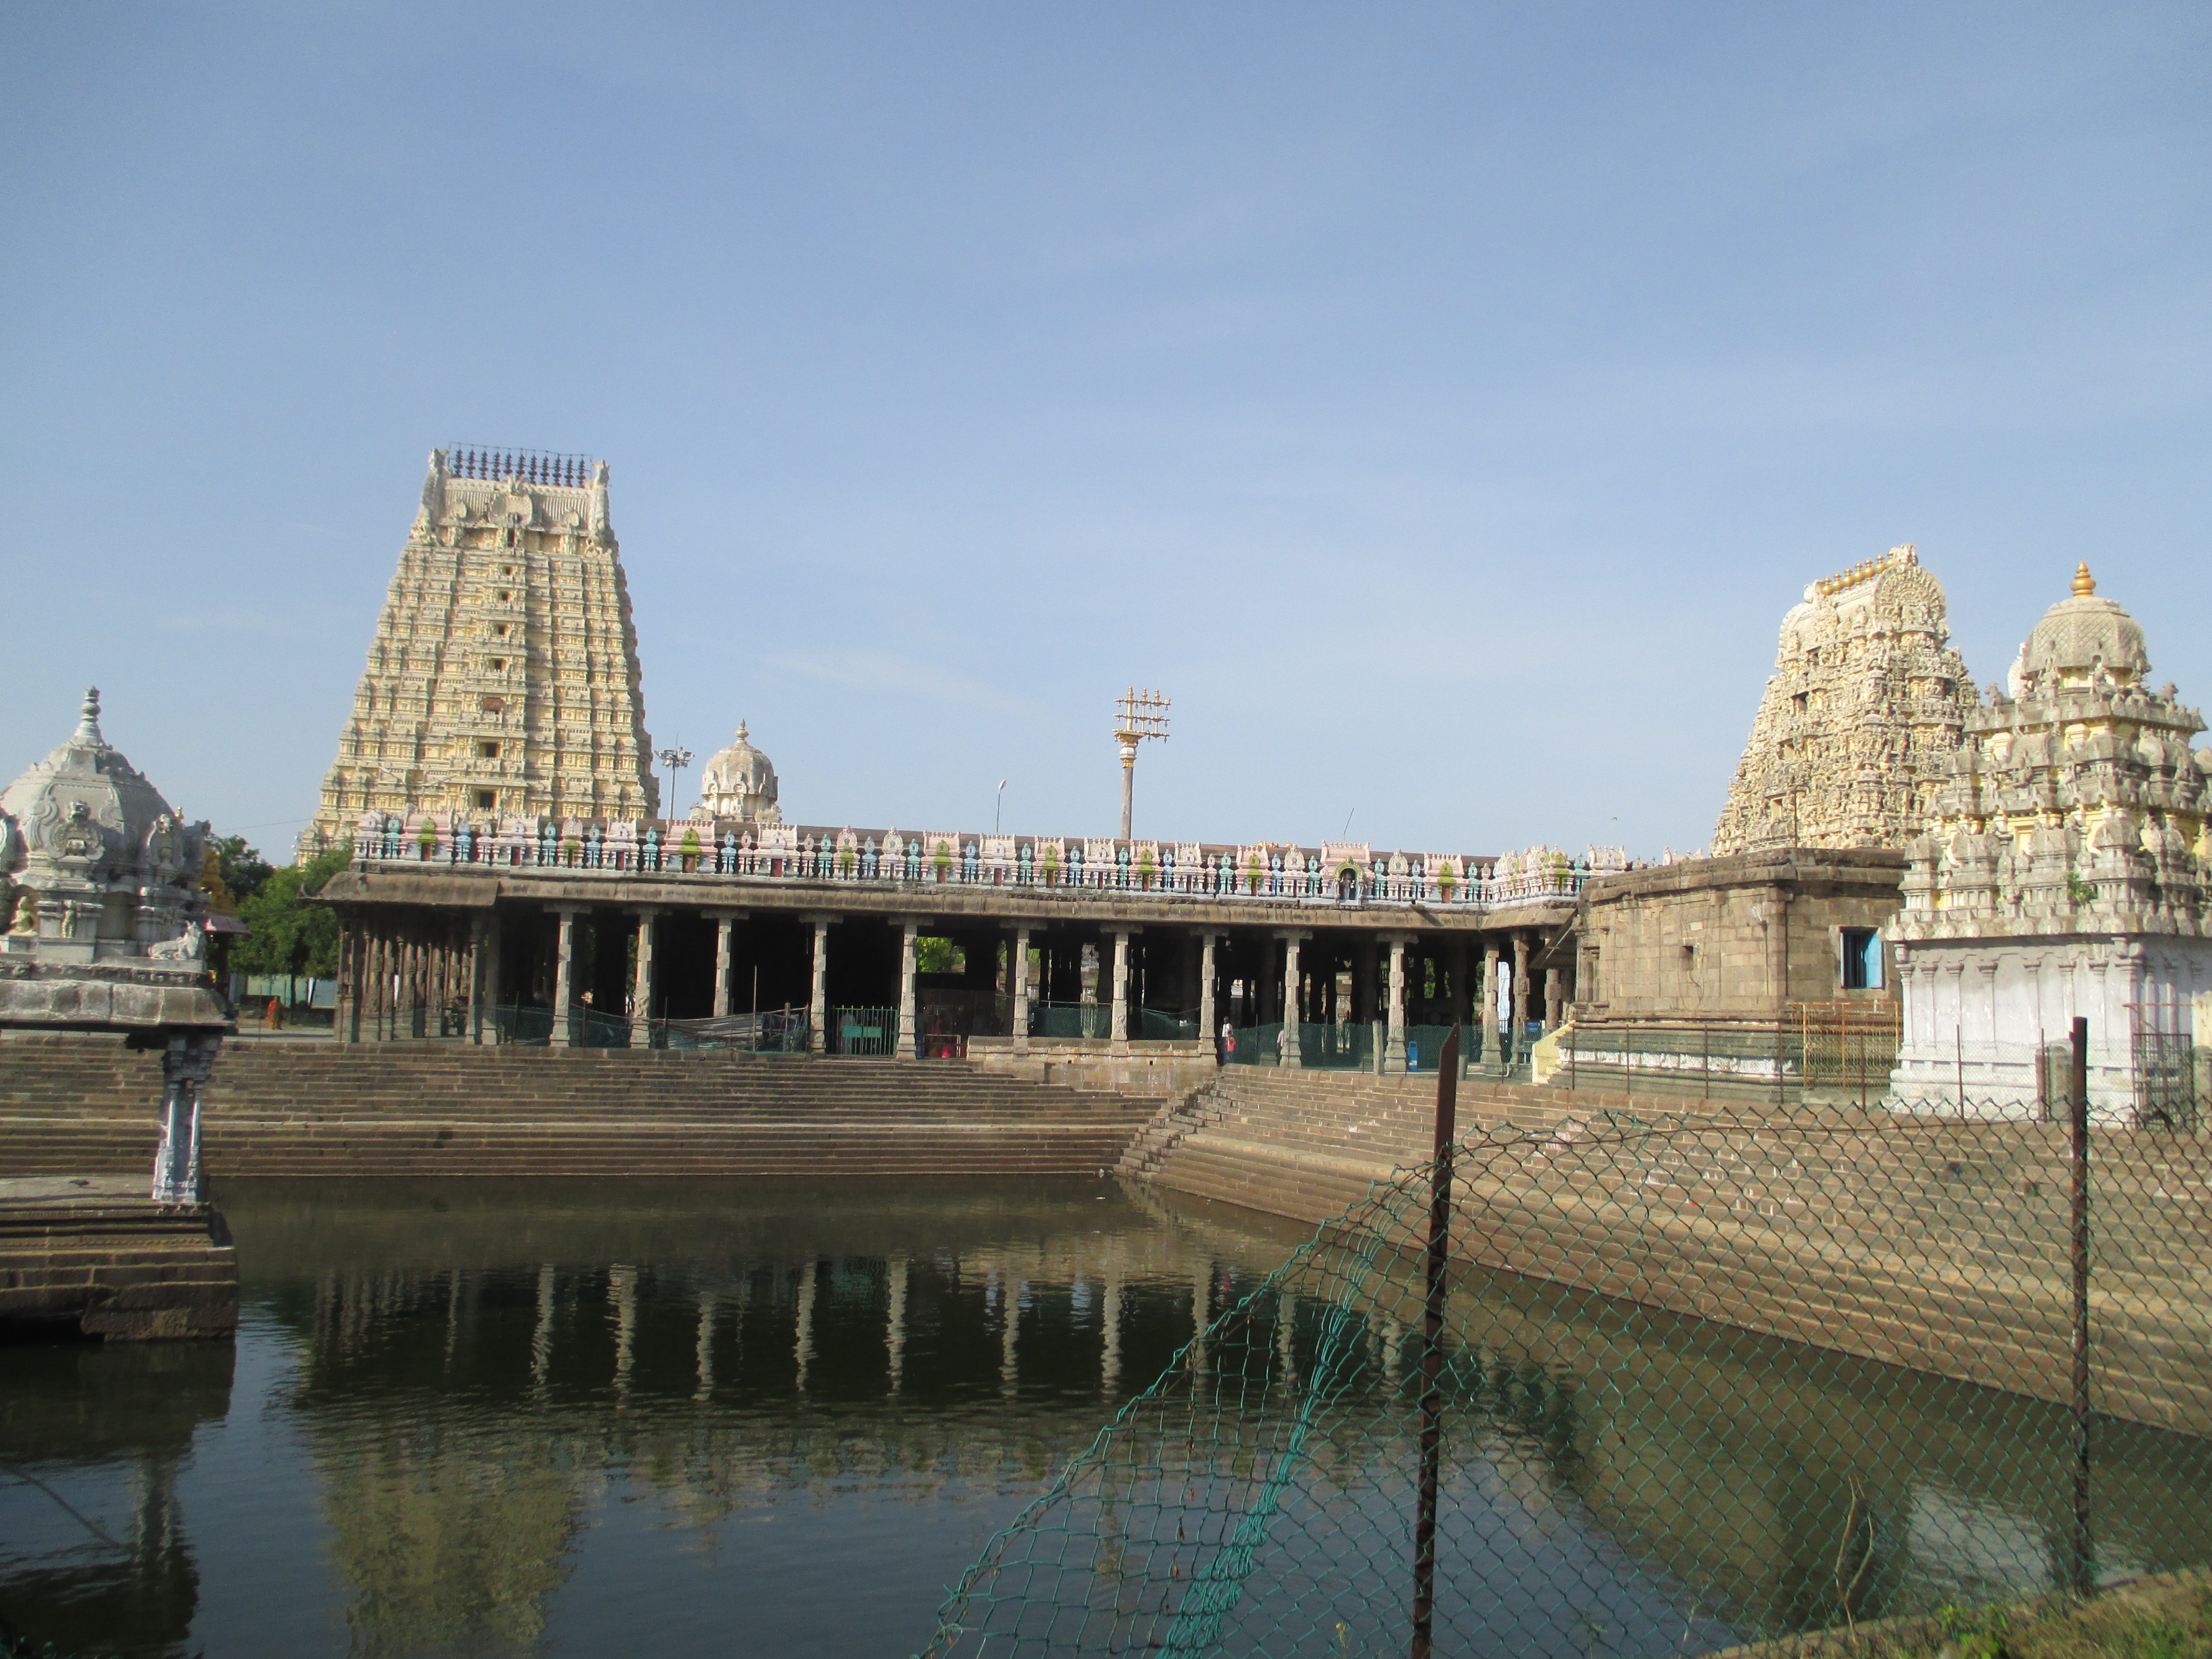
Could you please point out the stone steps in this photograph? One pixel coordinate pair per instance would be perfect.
(378, 1109)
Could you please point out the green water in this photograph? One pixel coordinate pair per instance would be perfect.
(683, 1418)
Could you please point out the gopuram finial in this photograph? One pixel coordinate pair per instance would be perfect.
(2084, 583)
(87, 726)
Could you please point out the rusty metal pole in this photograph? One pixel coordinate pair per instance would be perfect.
(1432, 1350)
(2082, 1561)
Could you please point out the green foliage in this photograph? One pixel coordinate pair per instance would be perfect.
(939, 955)
(291, 936)
(1974, 1632)
(242, 867)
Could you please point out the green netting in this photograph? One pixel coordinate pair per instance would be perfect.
(1670, 1408)
(1255, 1045)
(1071, 1019)
(1338, 1048)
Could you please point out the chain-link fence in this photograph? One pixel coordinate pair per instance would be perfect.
(1678, 1381)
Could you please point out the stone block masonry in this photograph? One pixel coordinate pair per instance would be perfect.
(96, 1253)
(1941, 1246)
(449, 1109)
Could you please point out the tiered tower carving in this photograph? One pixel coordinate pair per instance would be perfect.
(504, 678)
(2076, 805)
(2065, 873)
(1860, 720)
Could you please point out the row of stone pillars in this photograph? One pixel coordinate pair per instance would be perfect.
(414, 970)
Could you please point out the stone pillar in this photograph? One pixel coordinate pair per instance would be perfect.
(909, 1034)
(1520, 994)
(1490, 1006)
(345, 1022)
(1120, 1027)
(1463, 994)
(1206, 1011)
(817, 995)
(641, 990)
(1394, 1052)
(493, 941)
(564, 950)
(1018, 980)
(1291, 1053)
(187, 1064)
(723, 921)
(478, 925)
(1554, 998)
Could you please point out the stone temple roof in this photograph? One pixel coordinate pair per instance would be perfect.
(2079, 636)
(85, 791)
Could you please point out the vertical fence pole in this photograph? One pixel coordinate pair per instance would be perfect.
(1432, 1349)
(2083, 1575)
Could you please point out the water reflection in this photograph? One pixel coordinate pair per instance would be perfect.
(481, 1419)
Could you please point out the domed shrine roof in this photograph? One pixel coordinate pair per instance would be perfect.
(85, 813)
(740, 783)
(2080, 636)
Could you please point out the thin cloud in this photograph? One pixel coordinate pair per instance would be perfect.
(872, 670)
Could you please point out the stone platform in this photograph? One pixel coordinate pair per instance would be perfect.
(95, 1253)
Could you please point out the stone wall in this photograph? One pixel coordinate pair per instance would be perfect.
(1729, 939)
(1934, 1244)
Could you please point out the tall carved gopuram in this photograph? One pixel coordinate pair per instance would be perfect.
(1861, 718)
(504, 677)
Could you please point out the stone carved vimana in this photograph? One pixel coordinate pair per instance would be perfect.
(1866, 707)
(504, 676)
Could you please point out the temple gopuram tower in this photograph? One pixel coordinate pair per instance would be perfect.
(1865, 708)
(504, 676)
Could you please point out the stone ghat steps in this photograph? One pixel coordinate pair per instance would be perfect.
(419, 1147)
(89, 1108)
(99, 1081)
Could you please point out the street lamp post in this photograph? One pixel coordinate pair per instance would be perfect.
(675, 760)
(1142, 714)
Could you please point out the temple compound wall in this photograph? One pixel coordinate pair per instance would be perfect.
(504, 675)
(2066, 871)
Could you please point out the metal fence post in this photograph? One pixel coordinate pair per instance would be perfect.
(2083, 1574)
(1433, 1348)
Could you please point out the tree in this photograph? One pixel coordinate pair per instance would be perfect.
(239, 871)
(291, 936)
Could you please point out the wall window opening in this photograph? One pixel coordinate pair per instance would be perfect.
(1862, 959)
(487, 798)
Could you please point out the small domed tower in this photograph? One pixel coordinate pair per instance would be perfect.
(94, 862)
(739, 784)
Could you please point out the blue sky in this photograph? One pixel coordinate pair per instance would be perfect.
(1443, 403)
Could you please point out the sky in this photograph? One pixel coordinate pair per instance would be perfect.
(1441, 404)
